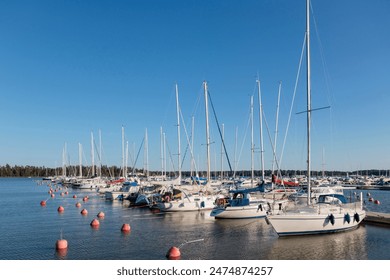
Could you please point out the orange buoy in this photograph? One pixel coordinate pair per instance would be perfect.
(95, 223)
(126, 228)
(84, 212)
(78, 204)
(61, 244)
(173, 253)
(60, 209)
(100, 214)
(377, 201)
(74, 196)
(43, 203)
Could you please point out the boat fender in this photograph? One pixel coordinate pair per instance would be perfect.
(167, 198)
(347, 218)
(356, 217)
(280, 206)
(202, 204)
(260, 207)
(331, 219)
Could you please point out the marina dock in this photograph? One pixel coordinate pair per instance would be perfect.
(377, 218)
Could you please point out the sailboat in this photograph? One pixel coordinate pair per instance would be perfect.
(179, 198)
(332, 212)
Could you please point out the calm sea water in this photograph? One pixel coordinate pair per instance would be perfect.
(29, 231)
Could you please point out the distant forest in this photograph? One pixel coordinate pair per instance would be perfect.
(115, 171)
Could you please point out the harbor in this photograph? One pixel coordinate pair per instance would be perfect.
(198, 235)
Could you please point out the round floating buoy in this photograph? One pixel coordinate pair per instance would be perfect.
(85, 198)
(95, 223)
(126, 228)
(78, 204)
(61, 244)
(43, 203)
(60, 209)
(74, 196)
(62, 194)
(377, 201)
(84, 212)
(50, 192)
(52, 195)
(100, 215)
(370, 199)
(173, 253)
(368, 194)
(66, 193)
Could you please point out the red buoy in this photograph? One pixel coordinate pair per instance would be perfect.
(100, 214)
(377, 202)
(95, 223)
(43, 203)
(85, 198)
(60, 209)
(62, 194)
(74, 196)
(84, 212)
(52, 195)
(173, 253)
(370, 199)
(78, 204)
(126, 228)
(61, 244)
(66, 193)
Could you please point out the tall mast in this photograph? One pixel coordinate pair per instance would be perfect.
(100, 152)
(123, 152)
(207, 132)
(308, 99)
(161, 151)
(252, 145)
(92, 156)
(178, 131)
(80, 161)
(223, 136)
(276, 127)
(261, 131)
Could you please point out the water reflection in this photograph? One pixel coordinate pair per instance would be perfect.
(350, 245)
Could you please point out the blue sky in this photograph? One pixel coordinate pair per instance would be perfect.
(69, 68)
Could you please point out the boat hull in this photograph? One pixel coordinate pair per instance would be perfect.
(239, 212)
(315, 223)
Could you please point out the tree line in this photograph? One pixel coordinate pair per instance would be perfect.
(115, 171)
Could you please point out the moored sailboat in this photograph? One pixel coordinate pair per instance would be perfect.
(332, 212)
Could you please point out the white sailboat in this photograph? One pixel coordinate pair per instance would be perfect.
(180, 199)
(332, 212)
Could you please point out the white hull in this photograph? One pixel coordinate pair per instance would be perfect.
(204, 203)
(317, 220)
(239, 212)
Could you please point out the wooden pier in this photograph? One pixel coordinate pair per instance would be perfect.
(377, 218)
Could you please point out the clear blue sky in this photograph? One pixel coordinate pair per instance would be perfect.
(71, 67)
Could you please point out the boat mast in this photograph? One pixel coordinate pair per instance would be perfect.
(80, 161)
(252, 145)
(92, 155)
(178, 132)
(207, 132)
(308, 99)
(261, 131)
(123, 152)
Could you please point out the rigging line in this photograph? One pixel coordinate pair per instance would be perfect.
(139, 150)
(273, 148)
(243, 142)
(293, 99)
(220, 133)
(188, 144)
